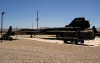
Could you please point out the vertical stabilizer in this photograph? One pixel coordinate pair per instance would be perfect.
(9, 30)
(95, 30)
(79, 22)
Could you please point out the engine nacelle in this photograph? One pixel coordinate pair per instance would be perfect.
(88, 34)
(83, 34)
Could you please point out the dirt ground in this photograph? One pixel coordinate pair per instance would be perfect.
(34, 51)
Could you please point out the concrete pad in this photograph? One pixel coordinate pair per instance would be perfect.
(46, 40)
(91, 43)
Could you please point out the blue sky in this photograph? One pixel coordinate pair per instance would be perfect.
(52, 13)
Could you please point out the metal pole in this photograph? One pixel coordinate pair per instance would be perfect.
(1, 25)
(37, 19)
(32, 25)
(16, 31)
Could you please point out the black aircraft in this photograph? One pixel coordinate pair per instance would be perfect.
(76, 31)
(8, 35)
(29, 32)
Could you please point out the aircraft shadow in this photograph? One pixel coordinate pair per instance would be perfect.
(51, 38)
(67, 42)
(8, 39)
(84, 44)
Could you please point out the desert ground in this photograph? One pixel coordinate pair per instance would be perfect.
(36, 50)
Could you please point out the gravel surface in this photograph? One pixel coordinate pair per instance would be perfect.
(31, 51)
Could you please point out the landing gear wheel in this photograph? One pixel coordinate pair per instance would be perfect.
(76, 42)
(10, 38)
(82, 41)
(31, 36)
(65, 41)
(71, 41)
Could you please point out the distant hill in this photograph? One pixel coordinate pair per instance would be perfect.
(98, 28)
(14, 29)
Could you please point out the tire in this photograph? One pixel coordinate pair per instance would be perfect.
(10, 38)
(76, 42)
(65, 41)
(82, 41)
(71, 41)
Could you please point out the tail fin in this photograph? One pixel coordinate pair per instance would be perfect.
(9, 30)
(95, 30)
(79, 22)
